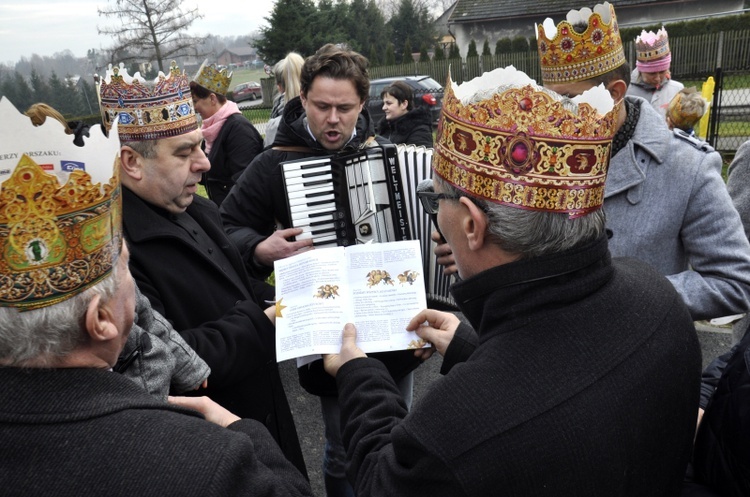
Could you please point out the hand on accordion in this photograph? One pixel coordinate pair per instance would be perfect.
(444, 254)
(277, 246)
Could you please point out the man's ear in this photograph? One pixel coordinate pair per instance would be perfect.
(99, 321)
(474, 224)
(131, 162)
(617, 89)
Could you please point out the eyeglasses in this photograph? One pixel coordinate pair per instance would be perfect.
(430, 200)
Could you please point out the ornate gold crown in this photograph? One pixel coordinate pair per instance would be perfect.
(212, 79)
(517, 144)
(650, 46)
(567, 55)
(147, 113)
(60, 211)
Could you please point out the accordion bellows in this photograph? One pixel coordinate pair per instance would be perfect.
(527, 147)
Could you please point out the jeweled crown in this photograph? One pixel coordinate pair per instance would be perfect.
(60, 211)
(570, 52)
(650, 46)
(504, 139)
(147, 112)
(213, 79)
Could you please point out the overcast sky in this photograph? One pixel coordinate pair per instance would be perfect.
(44, 27)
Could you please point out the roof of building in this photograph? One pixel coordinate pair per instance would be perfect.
(487, 10)
(240, 51)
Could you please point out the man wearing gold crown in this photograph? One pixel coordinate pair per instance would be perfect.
(325, 119)
(560, 391)
(181, 258)
(651, 78)
(231, 142)
(665, 200)
(69, 424)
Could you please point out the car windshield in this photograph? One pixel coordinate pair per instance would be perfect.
(430, 84)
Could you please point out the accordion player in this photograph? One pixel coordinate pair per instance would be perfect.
(366, 196)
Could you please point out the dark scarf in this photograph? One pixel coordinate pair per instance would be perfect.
(627, 130)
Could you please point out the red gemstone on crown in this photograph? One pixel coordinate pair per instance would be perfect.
(526, 103)
(520, 153)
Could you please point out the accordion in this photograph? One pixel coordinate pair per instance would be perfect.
(363, 196)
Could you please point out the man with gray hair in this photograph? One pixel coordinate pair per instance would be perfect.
(70, 424)
(558, 390)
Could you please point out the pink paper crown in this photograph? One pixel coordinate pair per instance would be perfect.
(652, 51)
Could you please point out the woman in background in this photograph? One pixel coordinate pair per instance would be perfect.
(231, 141)
(287, 73)
(402, 122)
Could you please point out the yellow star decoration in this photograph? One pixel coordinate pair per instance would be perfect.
(279, 308)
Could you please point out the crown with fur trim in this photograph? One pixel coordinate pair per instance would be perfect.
(568, 55)
(213, 79)
(60, 211)
(504, 139)
(150, 112)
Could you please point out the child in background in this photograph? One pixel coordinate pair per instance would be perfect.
(685, 110)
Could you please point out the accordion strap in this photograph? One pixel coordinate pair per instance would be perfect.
(370, 142)
(293, 149)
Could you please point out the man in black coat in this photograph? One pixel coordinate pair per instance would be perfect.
(184, 263)
(70, 425)
(580, 377)
(327, 118)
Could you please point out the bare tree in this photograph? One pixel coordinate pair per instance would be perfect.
(150, 30)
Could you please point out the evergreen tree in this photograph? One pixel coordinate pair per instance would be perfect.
(519, 44)
(373, 57)
(19, 92)
(486, 48)
(39, 87)
(406, 58)
(472, 50)
(454, 53)
(412, 21)
(423, 55)
(439, 52)
(503, 45)
(288, 21)
(390, 56)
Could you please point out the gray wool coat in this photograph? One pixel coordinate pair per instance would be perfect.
(667, 205)
(156, 357)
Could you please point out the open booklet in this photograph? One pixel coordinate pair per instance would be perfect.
(377, 286)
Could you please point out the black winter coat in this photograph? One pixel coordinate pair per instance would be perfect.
(414, 127)
(222, 322)
(721, 457)
(235, 147)
(584, 383)
(86, 431)
(258, 201)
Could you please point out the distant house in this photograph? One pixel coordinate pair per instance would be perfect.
(237, 56)
(494, 19)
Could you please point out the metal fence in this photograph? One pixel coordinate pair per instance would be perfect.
(723, 56)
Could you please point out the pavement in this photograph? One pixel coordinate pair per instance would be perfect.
(714, 339)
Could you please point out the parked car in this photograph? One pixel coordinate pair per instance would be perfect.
(247, 91)
(427, 93)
